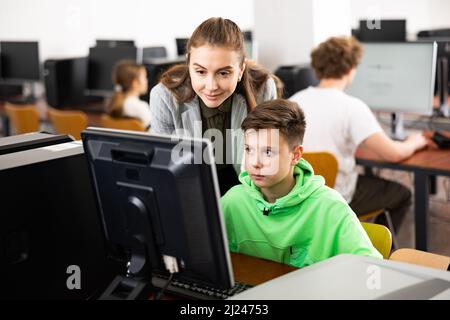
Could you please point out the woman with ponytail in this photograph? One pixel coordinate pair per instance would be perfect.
(130, 81)
(210, 95)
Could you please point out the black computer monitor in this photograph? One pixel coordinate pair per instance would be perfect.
(19, 61)
(181, 45)
(153, 52)
(101, 62)
(155, 67)
(110, 43)
(159, 195)
(382, 30)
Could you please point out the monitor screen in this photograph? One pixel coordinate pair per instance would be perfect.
(396, 77)
(101, 65)
(19, 60)
(382, 30)
(159, 195)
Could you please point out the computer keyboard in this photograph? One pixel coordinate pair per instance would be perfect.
(196, 291)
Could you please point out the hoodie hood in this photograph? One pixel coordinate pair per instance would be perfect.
(306, 184)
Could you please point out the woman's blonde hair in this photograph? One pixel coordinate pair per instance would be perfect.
(226, 34)
(125, 72)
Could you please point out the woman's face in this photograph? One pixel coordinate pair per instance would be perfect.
(215, 73)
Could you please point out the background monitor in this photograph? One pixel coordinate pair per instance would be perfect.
(181, 45)
(101, 62)
(396, 77)
(155, 68)
(442, 38)
(114, 43)
(148, 190)
(153, 52)
(19, 61)
(382, 30)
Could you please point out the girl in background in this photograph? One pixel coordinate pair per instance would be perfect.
(130, 81)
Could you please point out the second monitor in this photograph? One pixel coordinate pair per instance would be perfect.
(396, 77)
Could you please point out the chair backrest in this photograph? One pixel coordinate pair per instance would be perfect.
(68, 122)
(421, 258)
(121, 123)
(24, 118)
(324, 164)
(380, 236)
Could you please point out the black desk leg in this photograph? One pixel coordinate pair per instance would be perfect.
(433, 181)
(421, 189)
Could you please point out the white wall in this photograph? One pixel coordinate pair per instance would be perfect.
(287, 30)
(67, 28)
(420, 14)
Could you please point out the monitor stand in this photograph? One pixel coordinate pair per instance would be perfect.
(135, 285)
(397, 127)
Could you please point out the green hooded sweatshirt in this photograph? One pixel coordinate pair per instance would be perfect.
(311, 223)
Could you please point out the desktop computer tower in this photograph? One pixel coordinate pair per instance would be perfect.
(296, 78)
(50, 225)
(65, 81)
(28, 141)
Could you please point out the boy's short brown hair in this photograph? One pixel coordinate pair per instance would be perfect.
(335, 57)
(281, 114)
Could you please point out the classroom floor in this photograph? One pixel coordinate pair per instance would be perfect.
(439, 214)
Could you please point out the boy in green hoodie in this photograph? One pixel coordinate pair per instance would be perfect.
(282, 211)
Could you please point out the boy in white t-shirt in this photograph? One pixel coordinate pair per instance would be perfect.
(340, 123)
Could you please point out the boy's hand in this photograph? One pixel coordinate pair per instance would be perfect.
(418, 140)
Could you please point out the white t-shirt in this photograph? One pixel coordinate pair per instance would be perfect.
(337, 123)
(136, 108)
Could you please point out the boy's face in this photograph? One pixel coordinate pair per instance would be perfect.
(268, 157)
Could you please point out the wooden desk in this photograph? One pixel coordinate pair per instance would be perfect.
(424, 164)
(254, 271)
